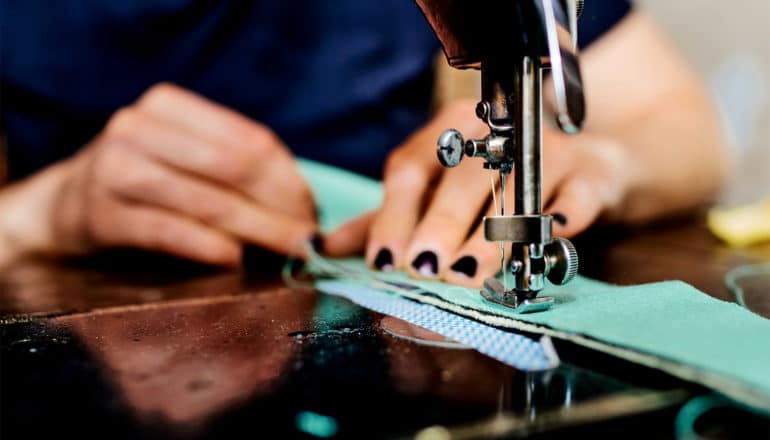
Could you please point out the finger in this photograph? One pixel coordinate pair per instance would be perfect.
(476, 259)
(409, 172)
(392, 226)
(167, 142)
(575, 206)
(194, 112)
(408, 175)
(277, 183)
(246, 155)
(451, 214)
(152, 183)
(556, 163)
(123, 225)
(350, 239)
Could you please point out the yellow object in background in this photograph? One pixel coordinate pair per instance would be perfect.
(743, 225)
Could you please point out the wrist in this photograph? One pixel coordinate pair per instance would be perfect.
(26, 210)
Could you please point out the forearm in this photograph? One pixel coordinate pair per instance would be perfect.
(643, 97)
(678, 159)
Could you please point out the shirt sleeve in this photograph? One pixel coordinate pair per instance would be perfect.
(598, 17)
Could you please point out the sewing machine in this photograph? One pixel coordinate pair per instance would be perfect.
(513, 42)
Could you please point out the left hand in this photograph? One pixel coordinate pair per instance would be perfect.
(429, 221)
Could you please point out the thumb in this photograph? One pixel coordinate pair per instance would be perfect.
(575, 207)
(350, 238)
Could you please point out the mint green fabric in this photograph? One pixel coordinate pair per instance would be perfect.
(668, 325)
(340, 195)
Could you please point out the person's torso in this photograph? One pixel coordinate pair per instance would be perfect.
(341, 81)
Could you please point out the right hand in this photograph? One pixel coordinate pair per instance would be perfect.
(178, 174)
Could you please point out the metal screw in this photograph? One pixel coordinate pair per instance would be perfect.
(482, 110)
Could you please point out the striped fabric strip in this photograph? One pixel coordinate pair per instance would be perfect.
(510, 348)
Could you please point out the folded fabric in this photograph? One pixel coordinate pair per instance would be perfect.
(668, 325)
(516, 350)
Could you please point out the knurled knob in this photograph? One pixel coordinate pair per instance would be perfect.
(562, 258)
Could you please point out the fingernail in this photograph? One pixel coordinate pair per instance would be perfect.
(384, 260)
(559, 218)
(466, 265)
(296, 265)
(426, 264)
(317, 242)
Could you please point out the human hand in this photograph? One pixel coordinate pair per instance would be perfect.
(178, 174)
(429, 222)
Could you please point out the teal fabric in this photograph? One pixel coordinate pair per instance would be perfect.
(339, 194)
(693, 335)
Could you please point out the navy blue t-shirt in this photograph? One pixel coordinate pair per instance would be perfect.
(340, 81)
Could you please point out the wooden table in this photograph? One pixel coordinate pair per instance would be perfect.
(152, 326)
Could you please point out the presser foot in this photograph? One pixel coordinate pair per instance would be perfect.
(495, 292)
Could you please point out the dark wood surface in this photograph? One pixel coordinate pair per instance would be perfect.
(160, 347)
(679, 249)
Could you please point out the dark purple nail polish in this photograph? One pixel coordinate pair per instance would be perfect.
(426, 264)
(466, 265)
(317, 242)
(559, 218)
(296, 265)
(384, 260)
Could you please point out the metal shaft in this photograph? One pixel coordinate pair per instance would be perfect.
(502, 243)
(527, 168)
(527, 165)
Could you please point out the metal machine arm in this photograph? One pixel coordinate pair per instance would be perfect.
(521, 39)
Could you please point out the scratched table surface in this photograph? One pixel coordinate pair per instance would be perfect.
(131, 345)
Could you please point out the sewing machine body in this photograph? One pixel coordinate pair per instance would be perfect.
(513, 42)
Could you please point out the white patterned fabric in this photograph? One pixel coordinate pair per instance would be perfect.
(510, 348)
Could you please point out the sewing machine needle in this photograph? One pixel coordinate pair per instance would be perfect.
(502, 243)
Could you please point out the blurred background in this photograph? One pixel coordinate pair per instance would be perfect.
(728, 43)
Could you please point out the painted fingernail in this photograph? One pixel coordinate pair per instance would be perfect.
(384, 260)
(296, 265)
(466, 265)
(559, 218)
(426, 264)
(317, 242)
